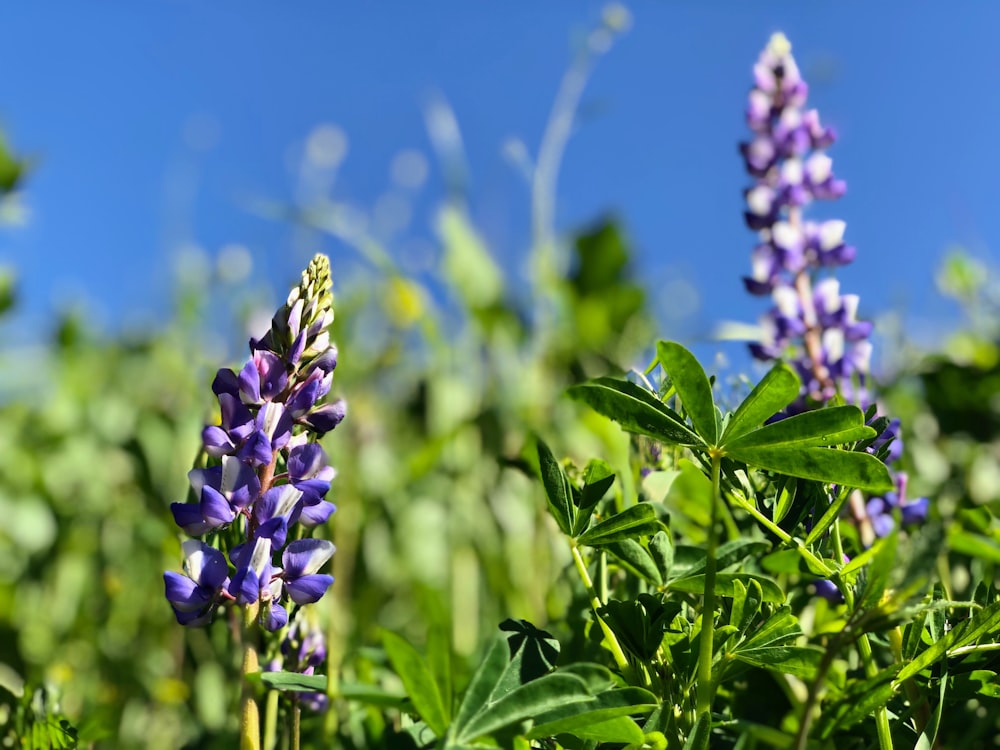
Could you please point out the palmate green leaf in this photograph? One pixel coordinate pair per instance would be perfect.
(857, 703)
(372, 695)
(635, 409)
(533, 653)
(531, 699)
(418, 680)
(557, 489)
(599, 718)
(635, 521)
(692, 385)
(774, 392)
(724, 585)
(822, 427)
(828, 465)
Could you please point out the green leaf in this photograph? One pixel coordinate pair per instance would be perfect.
(728, 553)
(594, 719)
(635, 409)
(702, 732)
(801, 661)
(774, 392)
(879, 572)
(439, 662)
(974, 545)
(636, 558)
(538, 696)
(372, 695)
(418, 681)
(635, 521)
(477, 694)
(828, 465)
(295, 682)
(692, 385)
(823, 427)
(661, 548)
(557, 489)
(983, 622)
(533, 653)
(770, 590)
(597, 480)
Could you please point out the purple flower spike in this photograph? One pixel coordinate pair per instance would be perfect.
(193, 596)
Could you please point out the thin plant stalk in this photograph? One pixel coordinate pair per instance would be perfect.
(595, 602)
(706, 691)
(249, 713)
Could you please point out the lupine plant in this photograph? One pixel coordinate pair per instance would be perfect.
(262, 488)
(703, 627)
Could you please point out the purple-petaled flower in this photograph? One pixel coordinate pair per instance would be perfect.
(262, 378)
(880, 509)
(324, 418)
(272, 431)
(222, 492)
(236, 425)
(301, 560)
(253, 571)
(194, 596)
(828, 590)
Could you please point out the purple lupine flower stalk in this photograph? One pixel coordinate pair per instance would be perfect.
(264, 487)
(267, 471)
(811, 325)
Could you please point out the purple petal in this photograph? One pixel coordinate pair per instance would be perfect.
(245, 586)
(215, 508)
(204, 564)
(316, 513)
(183, 593)
(225, 382)
(236, 417)
(217, 441)
(257, 449)
(273, 377)
(188, 517)
(306, 556)
(276, 617)
(250, 383)
(915, 512)
(308, 589)
(327, 416)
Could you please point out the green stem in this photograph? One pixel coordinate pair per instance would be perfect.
(271, 720)
(596, 604)
(249, 713)
(783, 535)
(296, 721)
(706, 690)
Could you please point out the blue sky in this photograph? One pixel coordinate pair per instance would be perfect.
(157, 124)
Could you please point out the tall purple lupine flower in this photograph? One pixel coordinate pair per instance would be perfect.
(266, 473)
(811, 325)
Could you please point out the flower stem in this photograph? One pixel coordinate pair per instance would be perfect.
(596, 604)
(706, 691)
(250, 713)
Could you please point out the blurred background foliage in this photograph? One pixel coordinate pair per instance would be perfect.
(447, 373)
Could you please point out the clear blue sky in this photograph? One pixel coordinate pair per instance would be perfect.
(104, 92)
